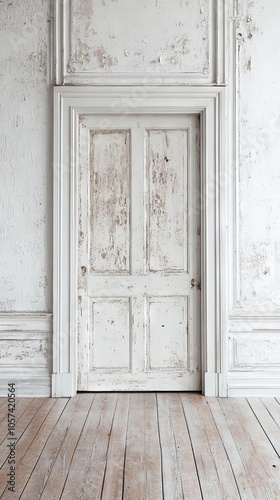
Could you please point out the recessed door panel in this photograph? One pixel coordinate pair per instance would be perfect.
(167, 153)
(109, 163)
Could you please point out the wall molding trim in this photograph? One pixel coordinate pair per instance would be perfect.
(25, 344)
(259, 384)
(64, 75)
(69, 103)
(25, 321)
(238, 315)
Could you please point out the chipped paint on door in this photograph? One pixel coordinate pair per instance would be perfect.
(167, 222)
(109, 201)
(138, 314)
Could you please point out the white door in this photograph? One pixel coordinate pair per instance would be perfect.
(139, 253)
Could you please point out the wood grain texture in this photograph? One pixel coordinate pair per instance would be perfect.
(21, 423)
(142, 475)
(238, 467)
(256, 452)
(4, 407)
(273, 408)
(30, 448)
(114, 473)
(180, 478)
(55, 482)
(267, 422)
(20, 408)
(152, 446)
(86, 472)
(47, 459)
(210, 456)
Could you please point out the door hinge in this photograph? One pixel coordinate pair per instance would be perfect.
(195, 284)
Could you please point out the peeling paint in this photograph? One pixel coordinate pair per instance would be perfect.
(104, 59)
(150, 35)
(110, 200)
(25, 230)
(259, 179)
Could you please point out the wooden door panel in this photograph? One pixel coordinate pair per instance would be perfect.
(139, 249)
(109, 201)
(110, 334)
(167, 152)
(167, 346)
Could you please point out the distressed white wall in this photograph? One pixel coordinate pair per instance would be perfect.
(259, 188)
(254, 326)
(125, 36)
(25, 217)
(26, 187)
(168, 42)
(144, 40)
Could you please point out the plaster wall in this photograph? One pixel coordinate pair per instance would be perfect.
(159, 42)
(259, 160)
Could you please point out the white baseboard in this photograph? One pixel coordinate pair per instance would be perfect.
(26, 353)
(258, 384)
(254, 354)
(27, 387)
(63, 385)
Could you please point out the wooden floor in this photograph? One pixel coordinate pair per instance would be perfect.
(143, 446)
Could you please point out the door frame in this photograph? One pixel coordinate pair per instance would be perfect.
(209, 103)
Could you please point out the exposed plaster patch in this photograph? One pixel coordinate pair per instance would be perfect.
(104, 59)
(85, 10)
(83, 53)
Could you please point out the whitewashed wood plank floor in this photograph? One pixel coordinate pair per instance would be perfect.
(143, 446)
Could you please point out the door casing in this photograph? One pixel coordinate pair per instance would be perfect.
(69, 103)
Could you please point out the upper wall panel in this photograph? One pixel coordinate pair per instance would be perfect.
(152, 41)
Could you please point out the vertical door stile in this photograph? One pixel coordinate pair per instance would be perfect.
(194, 229)
(84, 316)
(137, 251)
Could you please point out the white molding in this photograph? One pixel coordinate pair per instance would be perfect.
(69, 102)
(247, 384)
(232, 80)
(253, 338)
(63, 385)
(31, 374)
(27, 386)
(62, 48)
(219, 31)
(239, 315)
(25, 321)
(210, 386)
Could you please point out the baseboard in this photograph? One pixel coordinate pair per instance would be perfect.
(63, 385)
(259, 384)
(26, 353)
(27, 387)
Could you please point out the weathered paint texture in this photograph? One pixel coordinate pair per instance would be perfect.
(109, 201)
(26, 181)
(138, 314)
(259, 172)
(167, 152)
(144, 36)
(113, 36)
